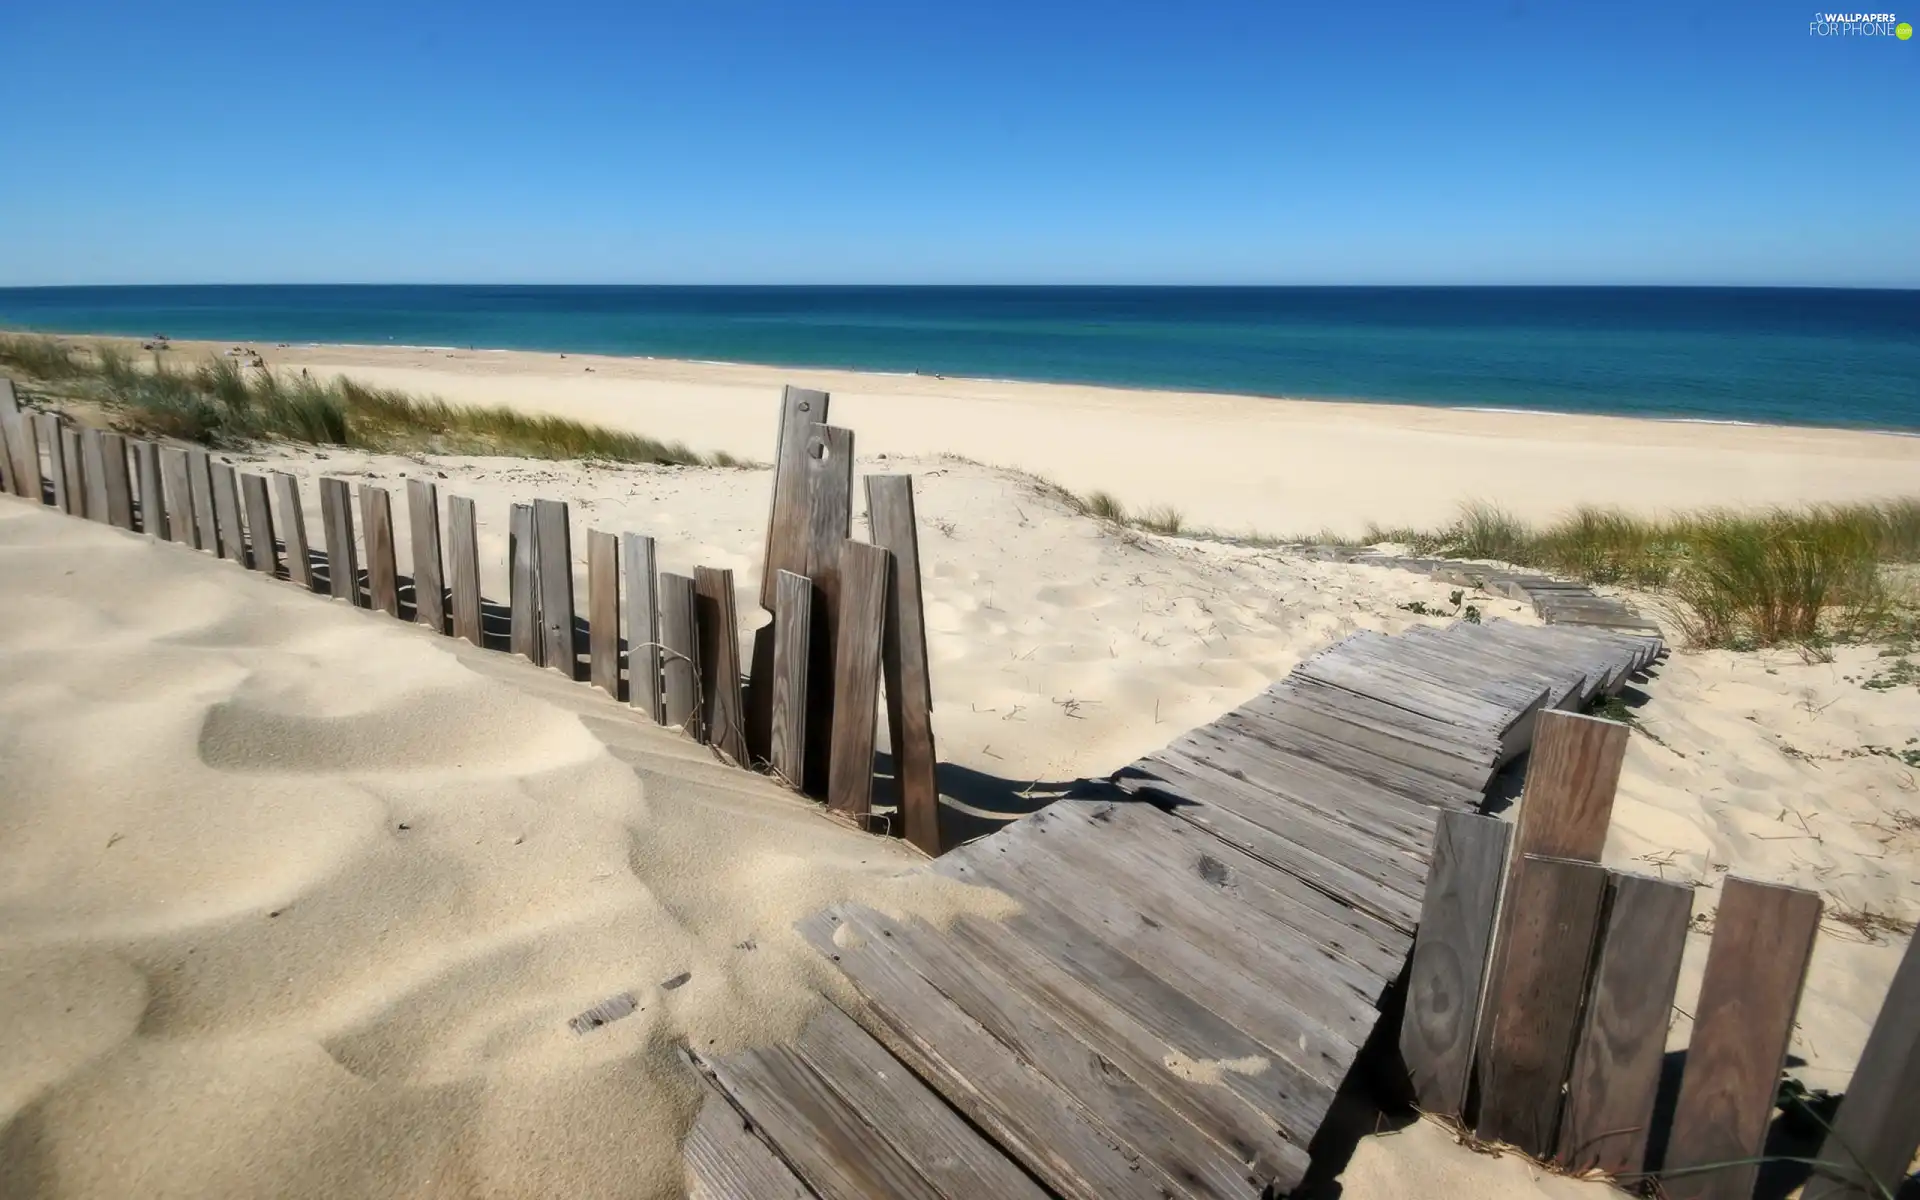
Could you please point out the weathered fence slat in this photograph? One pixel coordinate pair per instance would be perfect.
(73, 465)
(1533, 1000)
(829, 477)
(788, 522)
(176, 472)
(903, 657)
(1623, 1038)
(23, 446)
(1762, 938)
(383, 572)
(293, 525)
(343, 560)
(718, 627)
(429, 585)
(263, 552)
(792, 611)
(49, 426)
(1877, 1129)
(154, 521)
(463, 563)
(680, 649)
(206, 534)
(523, 582)
(116, 480)
(863, 608)
(226, 510)
(603, 611)
(93, 459)
(1450, 958)
(8, 482)
(643, 627)
(553, 564)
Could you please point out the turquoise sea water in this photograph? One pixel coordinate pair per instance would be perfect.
(1781, 355)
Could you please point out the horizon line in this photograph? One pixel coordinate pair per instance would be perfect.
(1755, 287)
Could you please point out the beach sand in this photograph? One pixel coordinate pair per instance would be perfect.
(297, 900)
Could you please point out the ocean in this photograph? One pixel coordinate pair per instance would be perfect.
(1804, 356)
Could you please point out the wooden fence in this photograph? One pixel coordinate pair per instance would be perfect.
(1541, 986)
(844, 614)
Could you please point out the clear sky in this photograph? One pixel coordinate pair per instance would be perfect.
(1017, 141)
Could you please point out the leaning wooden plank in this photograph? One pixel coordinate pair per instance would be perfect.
(680, 652)
(1533, 999)
(829, 481)
(1877, 1130)
(1450, 959)
(117, 480)
(73, 463)
(801, 409)
(793, 610)
(726, 1160)
(643, 626)
(890, 517)
(429, 585)
(603, 611)
(383, 572)
(463, 564)
(1623, 1037)
(153, 502)
(93, 454)
(263, 552)
(553, 564)
(293, 524)
(343, 559)
(23, 446)
(717, 626)
(856, 678)
(524, 598)
(200, 478)
(226, 510)
(49, 427)
(1762, 938)
(7, 482)
(176, 475)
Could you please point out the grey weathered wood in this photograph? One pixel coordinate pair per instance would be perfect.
(1877, 1130)
(429, 584)
(1450, 958)
(176, 474)
(603, 611)
(1762, 938)
(643, 626)
(226, 511)
(788, 522)
(7, 435)
(1533, 999)
(726, 1160)
(263, 551)
(553, 565)
(293, 525)
(153, 500)
(680, 653)
(463, 565)
(73, 465)
(524, 581)
(856, 679)
(1623, 1036)
(93, 458)
(200, 478)
(23, 447)
(116, 480)
(383, 572)
(903, 657)
(718, 628)
(49, 427)
(343, 557)
(792, 614)
(828, 471)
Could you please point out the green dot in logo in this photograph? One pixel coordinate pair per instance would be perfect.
(1903, 31)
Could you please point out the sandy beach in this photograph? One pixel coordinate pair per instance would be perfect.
(296, 900)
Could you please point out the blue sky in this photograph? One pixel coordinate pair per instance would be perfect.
(987, 141)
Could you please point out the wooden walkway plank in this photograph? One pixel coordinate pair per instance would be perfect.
(890, 517)
(1877, 1130)
(383, 571)
(116, 480)
(717, 626)
(93, 458)
(603, 612)
(463, 569)
(829, 483)
(1623, 1038)
(429, 582)
(293, 524)
(343, 562)
(232, 538)
(524, 598)
(553, 568)
(643, 627)
(680, 654)
(153, 502)
(176, 475)
(788, 522)
(1762, 938)
(793, 610)
(1450, 959)
(1533, 999)
(263, 552)
(856, 674)
(726, 1160)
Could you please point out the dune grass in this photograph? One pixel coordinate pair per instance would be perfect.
(220, 401)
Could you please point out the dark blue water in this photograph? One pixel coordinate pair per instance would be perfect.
(1787, 355)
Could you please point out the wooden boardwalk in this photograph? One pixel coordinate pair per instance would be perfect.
(1196, 964)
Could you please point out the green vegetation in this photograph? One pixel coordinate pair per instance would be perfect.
(222, 402)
